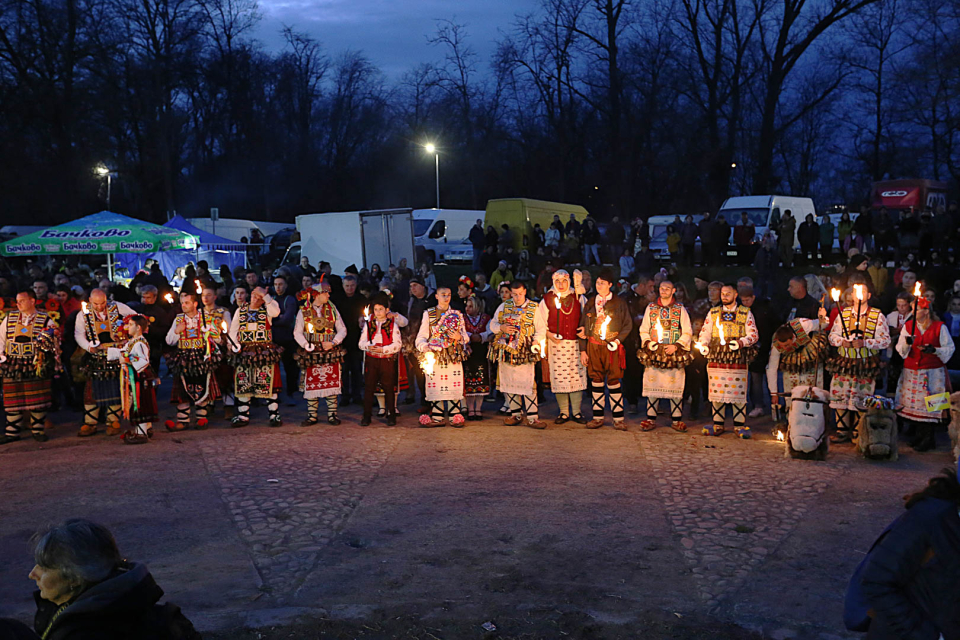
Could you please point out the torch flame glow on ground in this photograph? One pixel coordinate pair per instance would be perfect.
(780, 436)
(659, 331)
(428, 361)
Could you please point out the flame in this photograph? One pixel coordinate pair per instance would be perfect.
(199, 288)
(428, 361)
(366, 313)
(916, 289)
(720, 329)
(543, 347)
(556, 301)
(310, 327)
(835, 294)
(224, 325)
(858, 289)
(603, 328)
(83, 305)
(780, 436)
(659, 331)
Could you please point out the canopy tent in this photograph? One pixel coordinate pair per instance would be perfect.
(212, 248)
(103, 233)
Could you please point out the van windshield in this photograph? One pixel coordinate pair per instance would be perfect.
(420, 227)
(758, 217)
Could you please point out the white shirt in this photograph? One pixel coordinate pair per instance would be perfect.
(393, 347)
(80, 327)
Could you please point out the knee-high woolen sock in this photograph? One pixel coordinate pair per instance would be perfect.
(14, 420)
(596, 392)
(652, 408)
(273, 407)
(576, 399)
(456, 407)
(739, 413)
(676, 409)
(243, 408)
(332, 405)
(143, 427)
(718, 411)
(532, 408)
(36, 421)
(90, 414)
(113, 414)
(183, 412)
(382, 401)
(563, 401)
(313, 407)
(436, 411)
(843, 421)
(616, 402)
(516, 406)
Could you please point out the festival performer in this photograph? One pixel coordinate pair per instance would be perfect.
(319, 330)
(402, 381)
(256, 359)
(728, 340)
(29, 355)
(799, 350)
(925, 349)
(604, 325)
(380, 342)
(193, 363)
(442, 345)
(476, 369)
(666, 339)
(516, 347)
(859, 334)
(560, 312)
(219, 320)
(138, 393)
(98, 327)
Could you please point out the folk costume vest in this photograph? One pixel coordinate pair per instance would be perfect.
(254, 325)
(805, 352)
(515, 349)
(192, 336)
(324, 323)
(669, 319)
(443, 325)
(734, 325)
(107, 331)
(869, 328)
(916, 359)
(22, 338)
(564, 320)
(386, 333)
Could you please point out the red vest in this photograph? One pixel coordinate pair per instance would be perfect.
(565, 320)
(917, 360)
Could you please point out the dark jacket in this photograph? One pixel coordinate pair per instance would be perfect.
(911, 581)
(283, 324)
(808, 234)
(477, 238)
(621, 324)
(121, 607)
(808, 307)
(615, 234)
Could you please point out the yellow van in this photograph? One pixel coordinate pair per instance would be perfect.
(520, 214)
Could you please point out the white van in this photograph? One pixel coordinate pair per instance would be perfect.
(444, 233)
(765, 212)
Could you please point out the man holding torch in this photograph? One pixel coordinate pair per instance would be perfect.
(859, 334)
(319, 330)
(666, 337)
(728, 340)
(193, 362)
(604, 325)
(255, 356)
(219, 319)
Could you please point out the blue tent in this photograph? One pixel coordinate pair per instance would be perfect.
(215, 250)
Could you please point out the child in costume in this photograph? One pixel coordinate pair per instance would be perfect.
(441, 342)
(138, 394)
(380, 342)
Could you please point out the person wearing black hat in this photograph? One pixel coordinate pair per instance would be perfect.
(380, 342)
(604, 325)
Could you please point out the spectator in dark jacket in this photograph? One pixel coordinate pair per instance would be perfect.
(883, 233)
(87, 591)
(572, 228)
(615, 238)
(911, 580)
(478, 240)
(722, 231)
(743, 235)
(826, 231)
(492, 238)
(708, 239)
(766, 262)
(802, 304)
(863, 225)
(688, 240)
(808, 234)
(283, 333)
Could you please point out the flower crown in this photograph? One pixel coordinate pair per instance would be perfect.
(464, 280)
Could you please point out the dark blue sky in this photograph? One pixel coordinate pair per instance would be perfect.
(393, 33)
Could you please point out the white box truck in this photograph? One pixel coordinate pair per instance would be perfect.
(361, 238)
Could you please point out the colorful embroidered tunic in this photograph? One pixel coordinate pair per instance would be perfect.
(435, 338)
(664, 376)
(516, 374)
(726, 368)
(138, 392)
(257, 368)
(30, 347)
(320, 371)
(195, 359)
(802, 361)
(855, 369)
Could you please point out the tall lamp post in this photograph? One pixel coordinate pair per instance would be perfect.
(105, 172)
(432, 148)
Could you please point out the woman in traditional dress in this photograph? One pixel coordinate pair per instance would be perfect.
(476, 370)
(441, 343)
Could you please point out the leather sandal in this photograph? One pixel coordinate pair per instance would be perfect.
(620, 425)
(87, 430)
(679, 426)
(648, 425)
(512, 421)
(596, 423)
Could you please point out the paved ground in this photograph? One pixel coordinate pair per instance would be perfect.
(410, 532)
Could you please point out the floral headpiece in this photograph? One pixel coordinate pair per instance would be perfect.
(464, 280)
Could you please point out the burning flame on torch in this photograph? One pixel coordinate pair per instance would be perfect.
(659, 331)
(83, 305)
(916, 289)
(366, 313)
(780, 436)
(556, 301)
(720, 329)
(835, 294)
(858, 289)
(224, 325)
(310, 327)
(603, 328)
(428, 361)
(199, 288)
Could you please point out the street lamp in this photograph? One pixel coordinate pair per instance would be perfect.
(432, 148)
(104, 172)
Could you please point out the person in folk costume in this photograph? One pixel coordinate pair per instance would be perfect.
(193, 363)
(860, 334)
(138, 381)
(925, 346)
(604, 324)
(29, 355)
(798, 351)
(441, 343)
(402, 382)
(256, 359)
(319, 330)
(516, 348)
(219, 320)
(560, 312)
(476, 369)
(666, 337)
(96, 330)
(380, 342)
(728, 340)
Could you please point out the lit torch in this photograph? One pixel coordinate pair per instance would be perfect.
(699, 347)
(366, 313)
(916, 299)
(168, 298)
(428, 361)
(86, 314)
(226, 332)
(603, 328)
(720, 329)
(659, 332)
(858, 290)
(835, 294)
